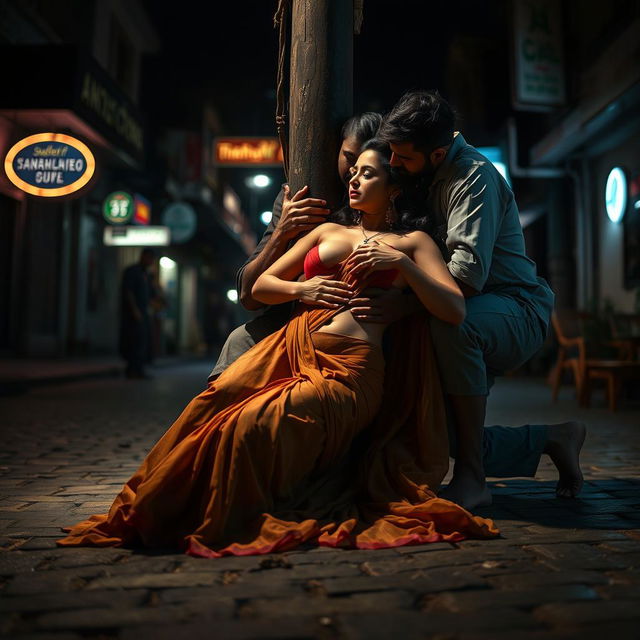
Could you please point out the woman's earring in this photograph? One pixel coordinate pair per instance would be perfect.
(357, 216)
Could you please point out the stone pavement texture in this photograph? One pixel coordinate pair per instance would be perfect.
(561, 568)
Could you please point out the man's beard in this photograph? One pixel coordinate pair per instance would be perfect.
(415, 181)
(425, 175)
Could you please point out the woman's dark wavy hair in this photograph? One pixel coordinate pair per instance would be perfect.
(362, 126)
(409, 215)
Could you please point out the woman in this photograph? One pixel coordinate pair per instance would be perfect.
(299, 440)
(293, 215)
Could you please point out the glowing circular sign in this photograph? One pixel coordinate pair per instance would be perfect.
(181, 218)
(117, 207)
(615, 194)
(49, 164)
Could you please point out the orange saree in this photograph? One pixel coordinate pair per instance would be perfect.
(304, 439)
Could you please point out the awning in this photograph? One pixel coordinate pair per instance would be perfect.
(75, 95)
(607, 113)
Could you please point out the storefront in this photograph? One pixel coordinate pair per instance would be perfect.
(596, 144)
(59, 293)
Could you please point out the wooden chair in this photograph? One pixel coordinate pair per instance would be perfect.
(625, 335)
(573, 355)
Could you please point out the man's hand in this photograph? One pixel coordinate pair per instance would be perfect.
(383, 306)
(300, 214)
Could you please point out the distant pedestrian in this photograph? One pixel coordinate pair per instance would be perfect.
(135, 326)
(158, 305)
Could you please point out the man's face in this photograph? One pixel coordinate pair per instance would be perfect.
(349, 152)
(406, 158)
(147, 260)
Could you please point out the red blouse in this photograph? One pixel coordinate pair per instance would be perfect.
(313, 266)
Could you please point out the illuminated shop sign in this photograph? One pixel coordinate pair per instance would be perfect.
(49, 165)
(117, 207)
(121, 208)
(616, 194)
(248, 152)
(141, 210)
(181, 218)
(538, 55)
(133, 236)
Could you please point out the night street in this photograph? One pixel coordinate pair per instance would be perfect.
(561, 568)
(403, 230)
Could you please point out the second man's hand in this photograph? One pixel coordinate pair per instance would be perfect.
(300, 214)
(382, 306)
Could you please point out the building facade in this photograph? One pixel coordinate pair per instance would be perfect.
(82, 68)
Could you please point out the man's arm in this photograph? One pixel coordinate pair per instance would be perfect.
(269, 249)
(291, 217)
(474, 214)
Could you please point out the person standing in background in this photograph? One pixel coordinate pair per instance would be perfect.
(135, 329)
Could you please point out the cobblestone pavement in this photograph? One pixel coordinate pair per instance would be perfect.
(561, 568)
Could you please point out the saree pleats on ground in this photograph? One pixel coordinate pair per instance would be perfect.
(305, 438)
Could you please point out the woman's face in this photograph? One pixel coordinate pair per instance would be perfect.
(369, 189)
(349, 152)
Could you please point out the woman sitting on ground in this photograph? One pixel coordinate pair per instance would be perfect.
(310, 436)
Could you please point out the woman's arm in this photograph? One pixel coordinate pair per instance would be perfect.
(426, 274)
(277, 284)
(293, 215)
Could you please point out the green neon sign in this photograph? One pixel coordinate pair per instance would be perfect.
(118, 207)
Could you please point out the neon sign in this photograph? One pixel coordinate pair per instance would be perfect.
(134, 236)
(616, 194)
(49, 165)
(248, 152)
(117, 207)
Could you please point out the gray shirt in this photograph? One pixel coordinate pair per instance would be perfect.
(477, 219)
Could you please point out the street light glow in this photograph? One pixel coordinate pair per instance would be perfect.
(266, 216)
(260, 181)
(167, 263)
(232, 295)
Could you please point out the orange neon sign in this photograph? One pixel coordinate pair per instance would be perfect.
(248, 152)
(49, 164)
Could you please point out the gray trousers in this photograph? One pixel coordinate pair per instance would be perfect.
(498, 334)
(463, 353)
(242, 338)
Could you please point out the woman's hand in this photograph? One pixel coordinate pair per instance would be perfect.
(300, 214)
(321, 291)
(377, 256)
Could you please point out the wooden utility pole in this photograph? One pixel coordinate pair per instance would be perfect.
(321, 93)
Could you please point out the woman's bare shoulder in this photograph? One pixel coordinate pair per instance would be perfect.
(420, 237)
(330, 227)
(318, 233)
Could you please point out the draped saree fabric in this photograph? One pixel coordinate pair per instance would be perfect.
(304, 439)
